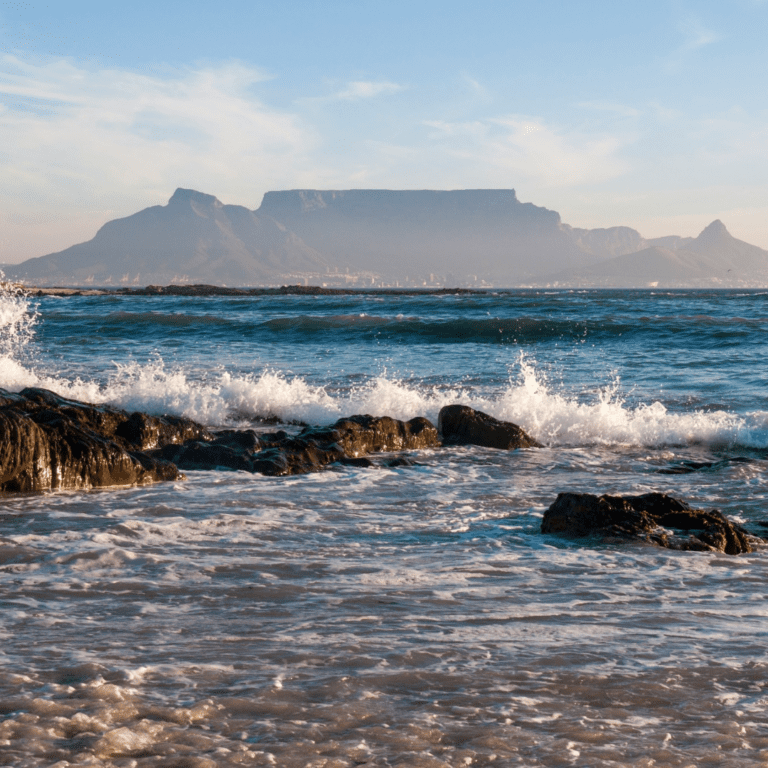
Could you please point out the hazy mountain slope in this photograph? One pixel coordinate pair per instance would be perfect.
(605, 243)
(399, 232)
(193, 237)
(714, 259)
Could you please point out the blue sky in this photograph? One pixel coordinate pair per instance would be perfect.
(648, 114)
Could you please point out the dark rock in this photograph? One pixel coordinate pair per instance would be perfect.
(199, 455)
(245, 439)
(49, 442)
(135, 431)
(58, 453)
(228, 449)
(361, 461)
(652, 517)
(359, 435)
(144, 432)
(297, 456)
(343, 442)
(462, 425)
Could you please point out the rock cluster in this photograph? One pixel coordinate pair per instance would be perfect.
(348, 441)
(49, 443)
(652, 517)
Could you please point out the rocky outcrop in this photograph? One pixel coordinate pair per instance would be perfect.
(462, 425)
(651, 517)
(48, 442)
(348, 441)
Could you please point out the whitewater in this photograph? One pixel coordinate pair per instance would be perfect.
(404, 616)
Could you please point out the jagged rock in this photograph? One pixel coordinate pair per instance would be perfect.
(359, 435)
(49, 451)
(462, 425)
(136, 431)
(652, 517)
(348, 441)
(49, 442)
(144, 432)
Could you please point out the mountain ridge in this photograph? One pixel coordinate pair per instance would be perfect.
(385, 237)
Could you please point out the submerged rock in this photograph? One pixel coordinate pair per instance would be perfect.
(652, 517)
(48, 442)
(462, 425)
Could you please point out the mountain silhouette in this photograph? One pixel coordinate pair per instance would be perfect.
(713, 259)
(192, 238)
(469, 237)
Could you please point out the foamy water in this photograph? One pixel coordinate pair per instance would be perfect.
(410, 616)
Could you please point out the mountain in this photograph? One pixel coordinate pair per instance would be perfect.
(399, 233)
(387, 237)
(713, 259)
(194, 238)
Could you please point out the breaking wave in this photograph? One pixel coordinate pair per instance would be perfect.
(219, 397)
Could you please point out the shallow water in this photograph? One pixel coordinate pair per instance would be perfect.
(410, 616)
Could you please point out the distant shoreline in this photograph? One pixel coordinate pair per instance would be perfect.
(316, 290)
(218, 290)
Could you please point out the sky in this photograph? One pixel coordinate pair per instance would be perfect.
(650, 114)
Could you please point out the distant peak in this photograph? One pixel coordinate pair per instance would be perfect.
(192, 196)
(715, 231)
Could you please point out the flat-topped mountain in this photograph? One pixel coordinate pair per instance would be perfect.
(387, 237)
(194, 238)
(402, 232)
(713, 259)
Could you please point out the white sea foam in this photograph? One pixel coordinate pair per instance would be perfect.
(552, 417)
(17, 321)
(219, 397)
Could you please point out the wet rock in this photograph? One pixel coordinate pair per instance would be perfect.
(359, 435)
(462, 425)
(228, 449)
(199, 455)
(144, 432)
(344, 442)
(651, 517)
(135, 431)
(48, 442)
(57, 453)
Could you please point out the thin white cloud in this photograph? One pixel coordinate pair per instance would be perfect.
(528, 150)
(696, 35)
(73, 138)
(475, 87)
(609, 107)
(366, 89)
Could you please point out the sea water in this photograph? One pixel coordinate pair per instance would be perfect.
(405, 616)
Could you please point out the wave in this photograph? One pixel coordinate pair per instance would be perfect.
(407, 328)
(222, 397)
(553, 418)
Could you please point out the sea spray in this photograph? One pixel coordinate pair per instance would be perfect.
(18, 317)
(556, 415)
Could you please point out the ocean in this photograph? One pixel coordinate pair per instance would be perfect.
(393, 616)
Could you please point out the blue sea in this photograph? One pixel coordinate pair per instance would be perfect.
(393, 616)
